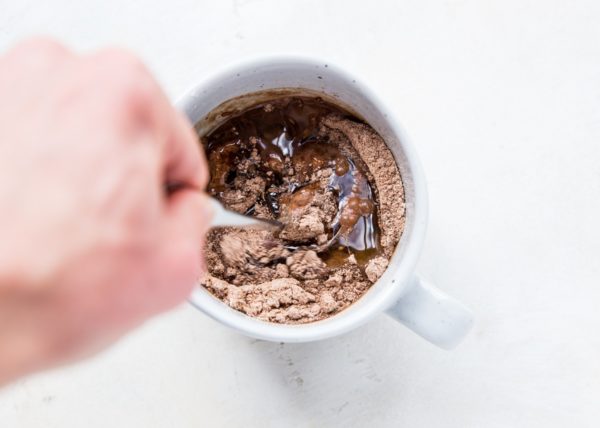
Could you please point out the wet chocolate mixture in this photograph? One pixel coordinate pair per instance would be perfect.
(333, 184)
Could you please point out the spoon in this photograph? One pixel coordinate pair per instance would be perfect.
(223, 217)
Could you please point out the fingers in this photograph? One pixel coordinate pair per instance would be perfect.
(189, 216)
(188, 221)
(129, 94)
(185, 162)
(182, 160)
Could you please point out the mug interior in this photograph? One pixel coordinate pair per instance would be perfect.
(233, 90)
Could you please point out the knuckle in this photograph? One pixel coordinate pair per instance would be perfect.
(120, 58)
(131, 82)
(39, 49)
(41, 44)
(133, 94)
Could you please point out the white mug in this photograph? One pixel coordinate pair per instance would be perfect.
(399, 292)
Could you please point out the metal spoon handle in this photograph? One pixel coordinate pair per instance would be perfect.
(223, 217)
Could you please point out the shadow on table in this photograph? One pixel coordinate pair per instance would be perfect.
(342, 377)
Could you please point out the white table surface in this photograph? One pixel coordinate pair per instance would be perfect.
(502, 99)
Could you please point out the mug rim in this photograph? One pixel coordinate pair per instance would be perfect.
(342, 322)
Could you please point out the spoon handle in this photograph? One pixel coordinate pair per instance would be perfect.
(223, 217)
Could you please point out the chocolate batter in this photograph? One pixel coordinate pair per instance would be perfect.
(331, 181)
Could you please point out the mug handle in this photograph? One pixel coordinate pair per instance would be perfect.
(432, 314)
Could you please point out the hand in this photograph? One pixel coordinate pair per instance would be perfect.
(91, 243)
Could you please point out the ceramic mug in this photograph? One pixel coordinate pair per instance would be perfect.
(399, 292)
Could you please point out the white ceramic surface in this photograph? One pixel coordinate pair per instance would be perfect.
(426, 310)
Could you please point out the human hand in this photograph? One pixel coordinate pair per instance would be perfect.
(91, 243)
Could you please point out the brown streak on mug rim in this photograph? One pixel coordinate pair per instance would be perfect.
(233, 106)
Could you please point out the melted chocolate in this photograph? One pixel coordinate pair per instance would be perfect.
(285, 132)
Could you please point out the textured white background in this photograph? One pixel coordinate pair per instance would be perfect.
(502, 99)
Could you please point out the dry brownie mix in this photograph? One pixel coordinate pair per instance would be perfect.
(333, 184)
